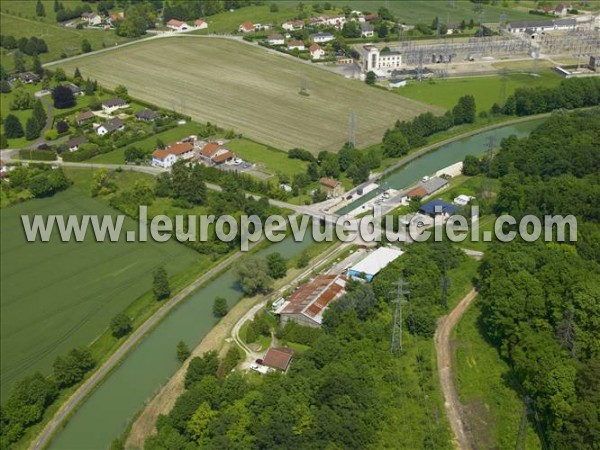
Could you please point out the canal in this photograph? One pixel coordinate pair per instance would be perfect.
(109, 409)
(441, 157)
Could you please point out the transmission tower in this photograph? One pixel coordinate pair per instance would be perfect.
(420, 67)
(445, 285)
(352, 129)
(401, 291)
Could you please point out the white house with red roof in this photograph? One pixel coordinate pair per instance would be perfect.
(168, 156)
(247, 27)
(293, 26)
(200, 24)
(316, 52)
(296, 45)
(177, 25)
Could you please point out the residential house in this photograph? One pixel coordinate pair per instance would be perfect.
(276, 39)
(200, 24)
(296, 45)
(321, 38)
(316, 52)
(247, 27)
(375, 262)
(76, 90)
(81, 119)
(293, 26)
(343, 60)
(371, 17)
(114, 104)
(335, 20)
(181, 150)
(561, 10)
(162, 158)
(115, 17)
(333, 188)
(74, 143)
(177, 25)
(222, 156)
(438, 207)
(93, 19)
(307, 304)
(146, 115)
(278, 358)
(27, 77)
(367, 30)
(110, 126)
(209, 150)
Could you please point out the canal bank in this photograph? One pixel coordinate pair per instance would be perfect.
(433, 158)
(107, 411)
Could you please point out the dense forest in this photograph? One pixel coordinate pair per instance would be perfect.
(347, 391)
(541, 301)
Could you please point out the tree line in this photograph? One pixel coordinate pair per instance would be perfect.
(540, 300)
(346, 391)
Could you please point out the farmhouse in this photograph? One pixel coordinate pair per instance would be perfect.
(92, 18)
(367, 268)
(333, 188)
(321, 38)
(110, 126)
(113, 104)
(146, 115)
(177, 25)
(276, 39)
(278, 358)
(306, 305)
(82, 118)
(200, 24)
(247, 27)
(316, 52)
(438, 207)
(74, 143)
(296, 45)
(222, 156)
(367, 30)
(375, 59)
(209, 150)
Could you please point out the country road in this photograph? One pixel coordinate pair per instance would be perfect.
(444, 361)
(71, 404)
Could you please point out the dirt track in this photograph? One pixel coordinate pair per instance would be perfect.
(443, 348)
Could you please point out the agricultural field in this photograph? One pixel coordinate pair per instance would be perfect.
(487, 90)
(254, 92)
(18, 19)
(486, 389)
(55, 296)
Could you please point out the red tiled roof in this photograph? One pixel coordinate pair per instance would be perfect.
(210, 149)
(199, 22)
(223, 157)
(278, 358)
(419, 191)
(314, 47)
(179, 148)
(248, 26)
(175, 23)
(313, 297)
(330, 182)
(295, 44)
(84, 116)
(160, 154)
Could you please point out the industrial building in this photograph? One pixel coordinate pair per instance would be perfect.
(370, 266)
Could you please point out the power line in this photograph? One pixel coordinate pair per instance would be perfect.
(401, 291)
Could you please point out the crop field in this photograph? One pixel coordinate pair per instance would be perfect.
(55, 296)
(486, 90)
(251, 90)
(18, 19)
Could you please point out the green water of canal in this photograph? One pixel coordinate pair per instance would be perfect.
(443, 156)
(110, 408)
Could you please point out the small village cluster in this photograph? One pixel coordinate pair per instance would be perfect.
(195, 150)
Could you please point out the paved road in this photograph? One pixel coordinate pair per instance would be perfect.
(444, 361)
(71, 404)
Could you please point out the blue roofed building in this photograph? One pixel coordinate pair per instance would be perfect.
(438, 207)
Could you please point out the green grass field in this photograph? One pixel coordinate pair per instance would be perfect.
(18, 19)
(55, 296)
(493, 407)
(486, 90)
(272, 160)
(254, 92)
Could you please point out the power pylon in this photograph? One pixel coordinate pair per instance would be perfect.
(401, 291)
